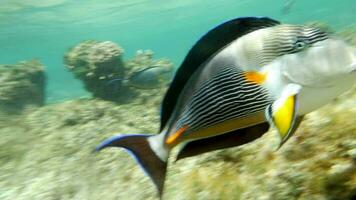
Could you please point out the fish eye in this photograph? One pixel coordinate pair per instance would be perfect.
(300, 44)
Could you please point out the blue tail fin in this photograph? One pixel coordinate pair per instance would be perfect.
(141, 150)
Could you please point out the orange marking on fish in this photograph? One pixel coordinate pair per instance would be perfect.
(173, 138)
(255, 77)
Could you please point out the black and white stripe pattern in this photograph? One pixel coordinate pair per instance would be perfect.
(227, 95)
(283, 40)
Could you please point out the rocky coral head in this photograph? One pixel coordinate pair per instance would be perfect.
(105, 52)
(20, 81)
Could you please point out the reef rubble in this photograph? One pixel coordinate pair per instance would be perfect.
(47, 154)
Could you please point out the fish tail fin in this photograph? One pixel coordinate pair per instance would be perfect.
(144, 149)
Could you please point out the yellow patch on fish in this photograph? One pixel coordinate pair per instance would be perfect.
(255, 77)
(174, 138)
(283, 117)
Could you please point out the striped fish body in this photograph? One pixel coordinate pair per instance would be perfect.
(233, 88)
(218, 99)
(237, 80)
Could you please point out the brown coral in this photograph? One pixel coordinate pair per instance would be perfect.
(21, 85)
(96, 64)
(101, 67)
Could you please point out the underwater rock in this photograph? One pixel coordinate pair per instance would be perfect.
(314, 164)
(92, 58)
(107, 76)
(96, 63)
(54, 159)
(21, 85)
(47, 153)
(339, 180)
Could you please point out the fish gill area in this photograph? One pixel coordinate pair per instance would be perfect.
(47, 150)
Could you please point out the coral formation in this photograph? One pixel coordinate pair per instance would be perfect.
(101, 67)
(316, 163)
(47, 154)
(96, 63)
(21, 85)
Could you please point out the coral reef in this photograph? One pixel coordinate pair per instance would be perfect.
(47, 154)
(21, 85)
(54, 159)
(106, 75)
(96, 64)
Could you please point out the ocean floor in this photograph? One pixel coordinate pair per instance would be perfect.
(46, 153)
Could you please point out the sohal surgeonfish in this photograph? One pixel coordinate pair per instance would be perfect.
(241, 77)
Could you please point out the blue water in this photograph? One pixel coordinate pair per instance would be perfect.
(46, 29)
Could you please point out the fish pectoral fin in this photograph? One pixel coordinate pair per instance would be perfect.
(255, 77)
(282, 113)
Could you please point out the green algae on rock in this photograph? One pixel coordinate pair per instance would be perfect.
(21, 85)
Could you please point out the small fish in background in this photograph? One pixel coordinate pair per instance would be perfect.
(288, 5)
(115, 83)
(239, 79)
(150, 78)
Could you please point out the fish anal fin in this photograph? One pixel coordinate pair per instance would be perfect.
(227, 140)
(283, 112)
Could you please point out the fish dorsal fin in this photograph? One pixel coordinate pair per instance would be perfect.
(203, 50)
